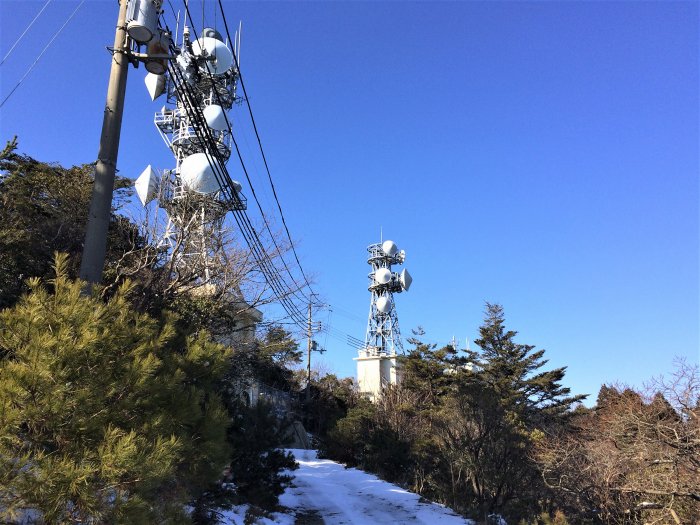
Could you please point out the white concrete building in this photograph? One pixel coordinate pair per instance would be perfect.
(375, 372)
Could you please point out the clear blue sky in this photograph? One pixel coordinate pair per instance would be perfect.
(541, 155)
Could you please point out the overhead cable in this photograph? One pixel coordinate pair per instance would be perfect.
(298, 288)
(262, 152)
(25, 31)
(42, 53)
(248, 231)
(221, 174)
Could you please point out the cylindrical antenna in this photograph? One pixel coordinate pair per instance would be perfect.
(184, 23)
(177, 26)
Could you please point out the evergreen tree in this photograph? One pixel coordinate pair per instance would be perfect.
(106, 415)
(267, 360)
(505, 403)
(257, 474)
(43, 209)
(347, 440)
(459, 428)
(512, 370)
(330, 400)
(430, 371)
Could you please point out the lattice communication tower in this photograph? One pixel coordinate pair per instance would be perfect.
(200, 89)
(383, 335)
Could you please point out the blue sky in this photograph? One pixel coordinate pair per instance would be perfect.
(540, 155)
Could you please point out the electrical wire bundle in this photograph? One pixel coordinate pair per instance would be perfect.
(289, 294)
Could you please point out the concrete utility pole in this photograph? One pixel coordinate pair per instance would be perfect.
(95, 246)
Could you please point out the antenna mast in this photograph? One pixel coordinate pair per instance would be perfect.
(383, 336)
(377, 364)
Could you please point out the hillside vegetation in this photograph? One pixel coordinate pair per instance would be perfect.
(127, 404)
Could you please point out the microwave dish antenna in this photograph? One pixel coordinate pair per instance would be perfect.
(382, 276)
(197, 174)
(383, 304)
(215, 117)
(210, 32)
(217, 56)
(146, 185)
(390, 248)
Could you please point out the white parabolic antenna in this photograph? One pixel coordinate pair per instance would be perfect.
(147, 185)
(390, 248)
(382, 275)
(405, 279)
(223, 57)
(383, 304)
(197, 174)
(214, 115)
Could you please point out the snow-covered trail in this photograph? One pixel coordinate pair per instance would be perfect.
(349, 496)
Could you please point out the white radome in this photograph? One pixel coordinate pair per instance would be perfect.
(214, 115)
(405, 279)
(383, 304)
(197, 174)
(390, 248)
(382, 275)
(211, 46)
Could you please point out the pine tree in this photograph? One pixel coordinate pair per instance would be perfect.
(106, 415)
(347, 440)
(257, 474)
(502, 406)
(430, 371)
(460, 428)
(499, 408)
(513, 371)
(257, 462)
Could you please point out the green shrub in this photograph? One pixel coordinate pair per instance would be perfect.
(106, 415)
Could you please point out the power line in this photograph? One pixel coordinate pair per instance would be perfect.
(279, 287)
(299, 288)
(221, 174)
(348, 314)
(341, 338)
(42, 53)
(347, 338)
(248, 232)
(25, 32)
(262, 152)
(328, 323)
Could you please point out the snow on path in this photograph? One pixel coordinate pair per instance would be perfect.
(353, 497)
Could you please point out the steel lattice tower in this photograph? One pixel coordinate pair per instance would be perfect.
(383, 334)
(200, 89)
(377, 364)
